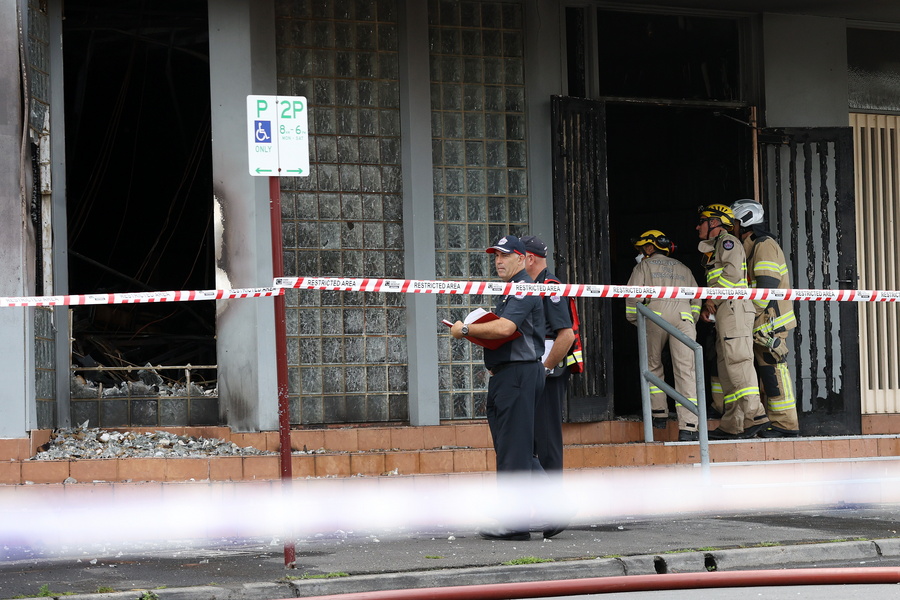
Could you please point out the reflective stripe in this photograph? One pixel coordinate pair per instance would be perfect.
(655, 390)
(691, 400)
(788, 400)
(770, 266)
(716, 387)
(742, 393)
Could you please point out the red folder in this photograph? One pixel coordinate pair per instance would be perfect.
(479, 315)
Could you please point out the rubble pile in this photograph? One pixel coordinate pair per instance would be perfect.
(83, 443)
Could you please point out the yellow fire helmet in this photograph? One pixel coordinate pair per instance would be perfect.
(655, 237)
(722, 212)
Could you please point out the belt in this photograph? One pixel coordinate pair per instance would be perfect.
(497, 368)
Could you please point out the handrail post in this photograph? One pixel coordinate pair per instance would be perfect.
(645, 383)
(647, 378)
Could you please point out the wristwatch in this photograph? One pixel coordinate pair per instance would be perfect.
(548, 371)
(464, 330)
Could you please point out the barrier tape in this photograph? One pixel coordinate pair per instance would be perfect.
(488, 288)
(417, 286)
(139, 297)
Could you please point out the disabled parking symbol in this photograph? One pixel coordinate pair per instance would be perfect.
(262, 130)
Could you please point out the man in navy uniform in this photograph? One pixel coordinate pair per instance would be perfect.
(517, 375)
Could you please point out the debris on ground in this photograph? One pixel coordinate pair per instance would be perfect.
(84, 443)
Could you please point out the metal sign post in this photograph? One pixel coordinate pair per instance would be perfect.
(278, 146)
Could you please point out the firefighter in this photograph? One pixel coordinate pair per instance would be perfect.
(725, 263)
(767, 269)
(656, 267)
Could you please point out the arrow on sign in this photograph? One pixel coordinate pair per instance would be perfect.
(298, 171)
(258, 170)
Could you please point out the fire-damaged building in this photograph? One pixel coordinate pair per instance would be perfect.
(435, 127)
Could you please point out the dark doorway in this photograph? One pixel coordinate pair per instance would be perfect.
(662, 163)
(139, 177)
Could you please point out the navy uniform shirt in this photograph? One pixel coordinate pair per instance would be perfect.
(527, 312)
(556, 308)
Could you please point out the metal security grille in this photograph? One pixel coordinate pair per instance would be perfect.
(581, 228)
(877, 176)
(807, 191)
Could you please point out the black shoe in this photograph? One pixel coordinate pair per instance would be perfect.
(719, 434)
(685, 435)
(552, 530)
(660, 422)
(504, 534)
(775, 432)
(753, 430)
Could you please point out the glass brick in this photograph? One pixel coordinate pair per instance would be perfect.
(479, 264)
(330, 206)
(376, 379)
(329, 234)
(373, 235)
(353, 321)
(515, 154)
(311, 380)
(323, 66)
(346, 121)
(354, 350)
(352, 264)
(366, 38)
(451, 97)
(351, 207)
(393, 207)
(393, 236)
(332, 350)
(474, 126)
(308, 263)
(355, 379)
(454, 181)
(309, 322)
(333, 380)
(493, 71)
(325, 119)
(518, 210)
(440, 265)
(345, 64)
(457, 265)
(474, 153)
(492, 42)
(345, 95)
(515, 99)
(394, 265)
(452, 125)
(333, 409)
(331, 264)
(473, 98)
(398, 379)
(389, 95)
(345, 9)
(494, 99)
(475, 183)
(388, 38)
(518, 181)
(376, 323)
(368, 122)
(366, 65)
(312, 410)
(389, 151)
(376, 350)
(389, 67)
(326, 148)
(453, 152)
(372, 209)
(495, 155)
(344, 36)
(373, 263)
(370, 178)
(495, 126)
(437, 120)
(456, 236)
(496, 181)
(462, 406)
(515, 127)
(332, 321)
(389, 123)
(323, 34)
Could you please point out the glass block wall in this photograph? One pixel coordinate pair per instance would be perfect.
(45, 368)
(347, 355)
(478, 150)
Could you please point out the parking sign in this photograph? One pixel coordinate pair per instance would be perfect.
(278, 136)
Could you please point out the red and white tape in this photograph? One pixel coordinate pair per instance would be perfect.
(139, 297)
(488, 288)
(417, 286)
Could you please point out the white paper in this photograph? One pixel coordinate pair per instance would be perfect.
(475, 315)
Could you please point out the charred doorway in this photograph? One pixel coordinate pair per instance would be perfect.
(662, 163)
(139, 195)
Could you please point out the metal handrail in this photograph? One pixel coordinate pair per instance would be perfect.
(647, 378)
